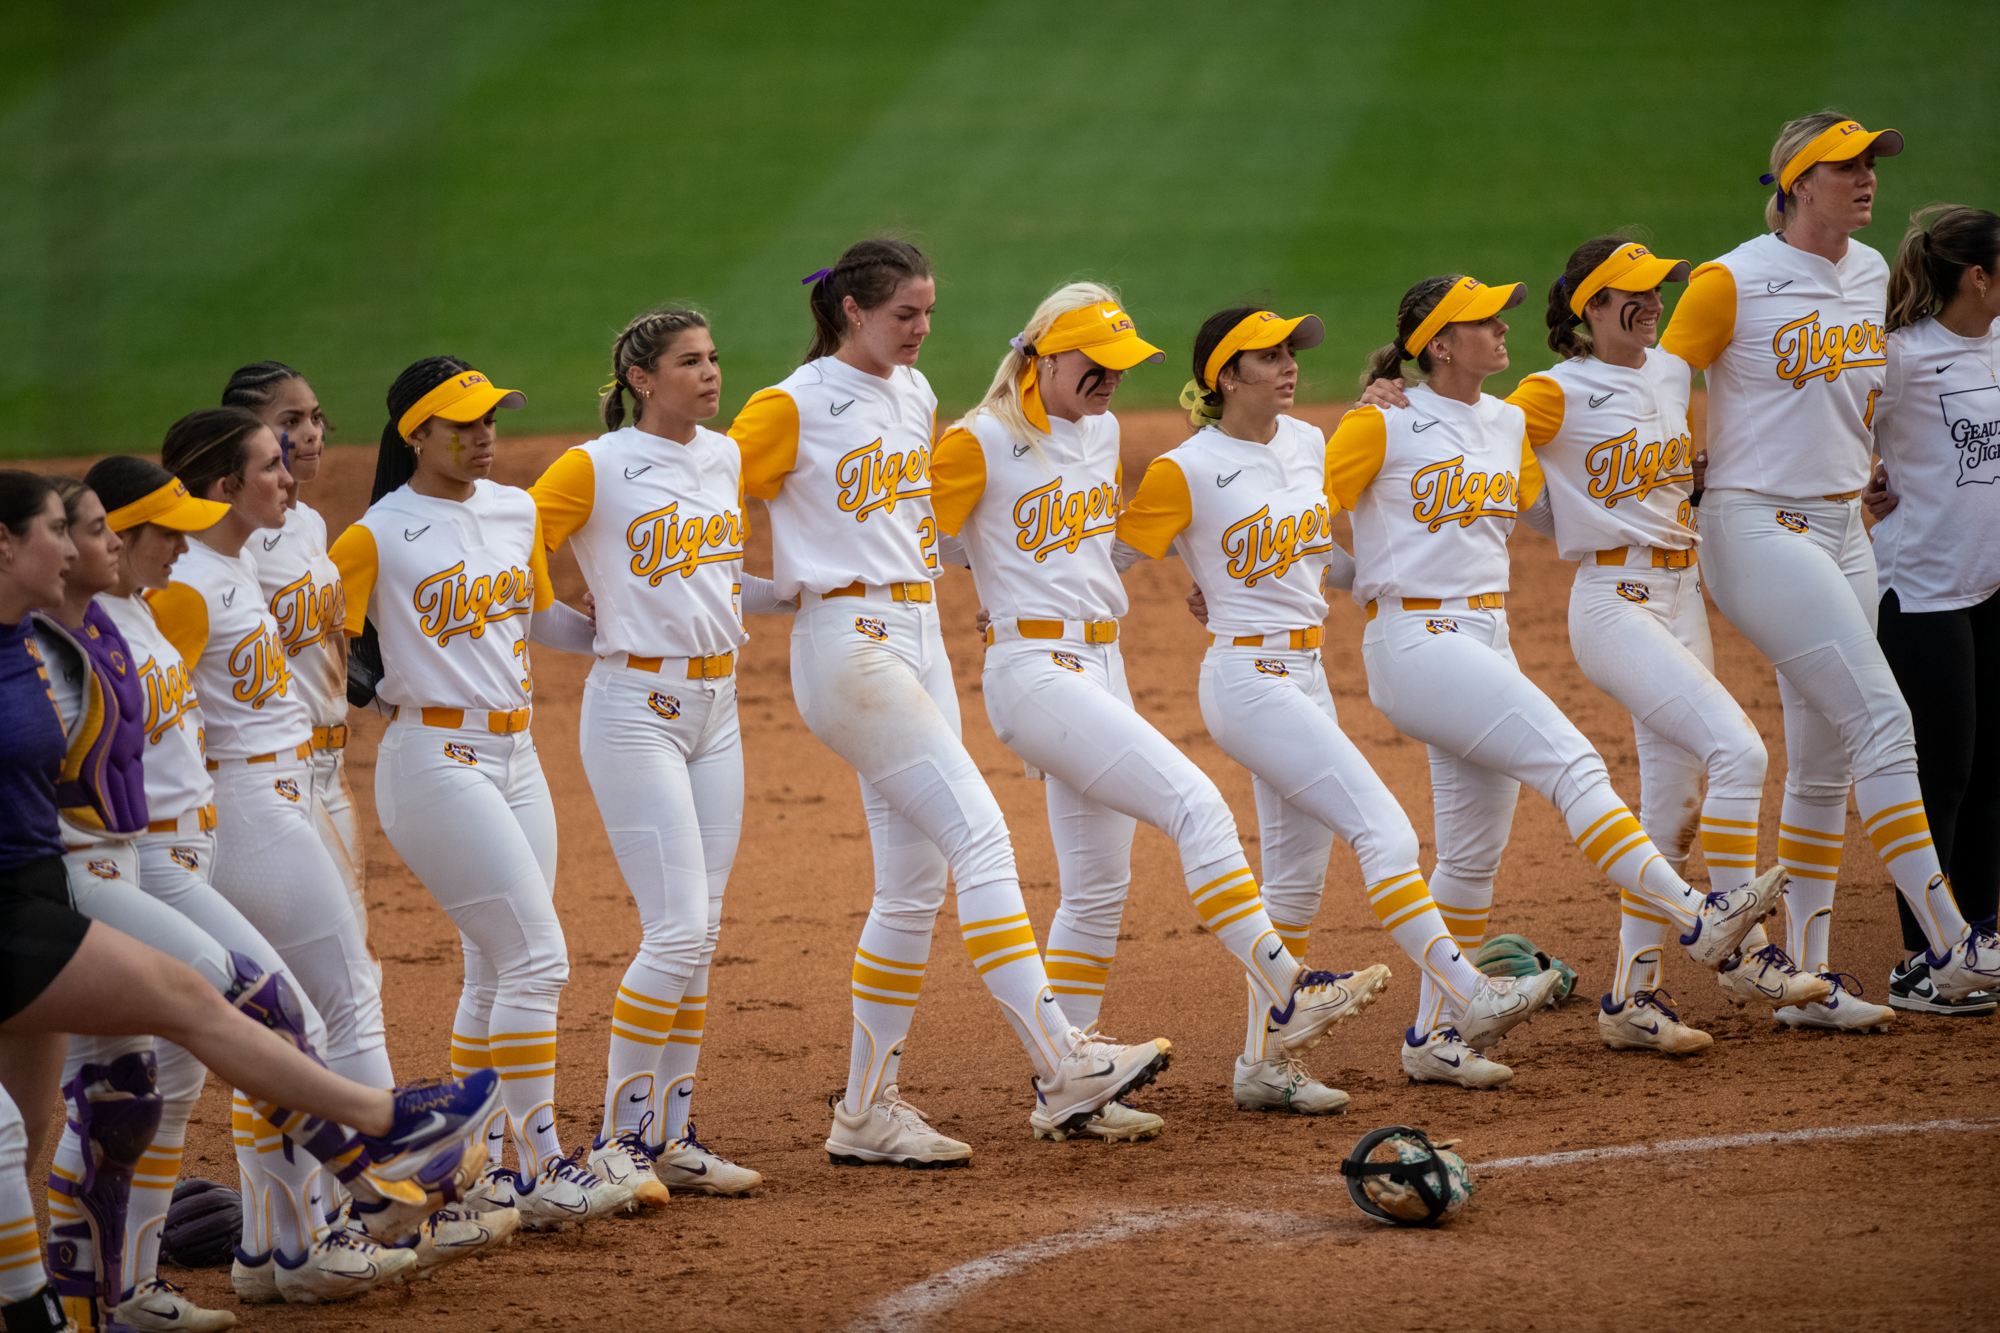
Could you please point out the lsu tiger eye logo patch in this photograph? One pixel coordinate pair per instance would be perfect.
(1270, 667)
(1634, 592)
(1441, 625)
(461, 752)
(185, 858)
(1792, 519)
(1067, 661)
(286, 788)
(873, 628)
(665, 705)
(105, 869)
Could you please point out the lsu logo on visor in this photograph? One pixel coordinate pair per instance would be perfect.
(1792, 519)
(461, 752)
(1270, 667)
(287, 788)
(185, 858)
(872, 627)
(1067, 661)
(665, 705)
(1441, 625)
(104, 869)
(1634, 592)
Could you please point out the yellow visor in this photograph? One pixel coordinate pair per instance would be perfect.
(1630, 268)
(1838, 143)
(1259, 331)
(1102, 332)
(1468, 302)
(466, 396)
(171, 507)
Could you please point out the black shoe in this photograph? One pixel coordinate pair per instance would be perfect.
(1910, 990)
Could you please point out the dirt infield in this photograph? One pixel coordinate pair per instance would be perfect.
(1743, 1211)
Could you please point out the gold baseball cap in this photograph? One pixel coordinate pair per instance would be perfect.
(1103, 332)
(1257, 331)
(466, 396)
(170, 506)
(1629, 268)
(1468, 302)
(1837, 143)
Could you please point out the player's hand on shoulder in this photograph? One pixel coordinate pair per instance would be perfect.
(1876, 497)
(1197, 605)
(1384, 393)
(982, 620)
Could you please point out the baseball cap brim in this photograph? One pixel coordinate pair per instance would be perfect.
(171, 506)
(1882, 143)
(481, 401)
(1488, 302)
(1123, 353)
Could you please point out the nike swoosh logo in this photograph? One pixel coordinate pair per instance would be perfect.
(1283, 1018)
(640, 472)
(1775, 287)
(689, 1092)
(1596, 401)
(1946, 366)
(641, 1097)
(1020, 449)
(269, 542)
(1456, 956)
(1046, 999)
(578, 1208)
(1275, 952)
(229, 598)
(701, 1170)
(410, 536)
(1106, 1072)
(1221, 480)
(169, 1313)
(1420, 429)
(543, 1129)
(1454, 1062)
(843, 407)
(435, 1122)
(1654, 1029)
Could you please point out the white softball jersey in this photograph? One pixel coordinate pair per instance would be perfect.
(213, 612)
(844, 461)
(1616, 456)
(1434, 489)
(1794, 351)
(659, 529)
(177, 779)
(450, 586)
(1037, 521)
(303, 590)
(1251, 521)
(1937, 427)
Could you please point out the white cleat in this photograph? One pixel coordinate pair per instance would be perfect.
(687, 1166)
(1284, 1084)
(160, 1307)
(890, 1132)
(1321, 1000)
(1765, 973)
(627, 1161)
(340, 1266)
(1096, 1072)
(1841, 1011)
(254, 1278)
(1725, 918)
(461, 1231)
(1499, 1004)
(1971, 965)
(1442, 1058)
(562, 1194)
(1115, 1123)
(1647, 1022)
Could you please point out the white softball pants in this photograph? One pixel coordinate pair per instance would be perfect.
(333, 810)
(1064, 707)
(271, 864)
(1641, 636)
(665, 762)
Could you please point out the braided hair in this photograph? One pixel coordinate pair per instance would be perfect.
(870, 272)
(642, 343)
(396, 461)
(1569, 333)
(204, 447)
(1386, 363)
(254, 386)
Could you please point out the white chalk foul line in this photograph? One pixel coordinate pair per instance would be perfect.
(912, 1307)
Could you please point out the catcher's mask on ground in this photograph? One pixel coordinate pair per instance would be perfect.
(1419, 1187)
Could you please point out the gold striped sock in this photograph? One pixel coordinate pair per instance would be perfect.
(1073, 973)
(1643, 908)
(1809, 853)
(1611, 837)
(159, 1167)
(1729, 842)
(1225, 901)
(641, 1018)
(520, 1055)
(1898, 829)
(689, 1020)
(1294, 936)
(20, 1248)
(1466, 924)
(885, 981)
(1400, 899)
(998, 942)
(468, 1054)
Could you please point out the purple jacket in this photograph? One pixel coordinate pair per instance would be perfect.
(102, 784)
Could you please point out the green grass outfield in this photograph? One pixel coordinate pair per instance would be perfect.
(185, 187)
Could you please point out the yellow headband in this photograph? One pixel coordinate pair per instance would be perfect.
(1103, 332)
(469, 391)
(1259, 330)
(171, 507)
(1629, 268)
(1468, 301)
(1837, 143)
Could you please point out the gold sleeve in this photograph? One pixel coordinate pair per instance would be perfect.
(182, 615)
(1160, 512)
(538, 566)
(767, 432)
(1705, 319)
(355, 555)
(1354, 455)
(958, 478)
(1541, 398)
(563, 497)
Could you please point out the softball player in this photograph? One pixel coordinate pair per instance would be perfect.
(1789, 329)
(841, 451)
(1937, 550)
(654, 511)
(449, 570)
(1031, 483)
(1608, 426)
(303, 590)
(1435, 489)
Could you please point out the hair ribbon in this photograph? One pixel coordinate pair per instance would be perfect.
(810, 279)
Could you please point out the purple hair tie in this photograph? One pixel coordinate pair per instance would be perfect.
(1563, 281)
(809, 281)
(1019, 342)
(1767, 179)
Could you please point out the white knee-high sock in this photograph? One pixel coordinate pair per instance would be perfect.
(1405, 908)
(1610, 836)
(1000, 940)
(522, 1045)
(1892, 810)
(1810, 833)
(1079, 966)
(21, 1270)
(470, 1052)
(678, 1058)
(888, 976)
(295, 1206)
(1463, 907)
(153, 1182)
(1256, 1031)
(251, 1182)
(1729, 841)
(1225, 894)
(642, 1016)
(1643, 930)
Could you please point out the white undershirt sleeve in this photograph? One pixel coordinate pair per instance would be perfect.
(1123, 557)
(1339, 576)
(760, 598)
(1540, 517)
(563, 628)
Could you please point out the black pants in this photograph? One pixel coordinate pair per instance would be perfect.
(1948, 665)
